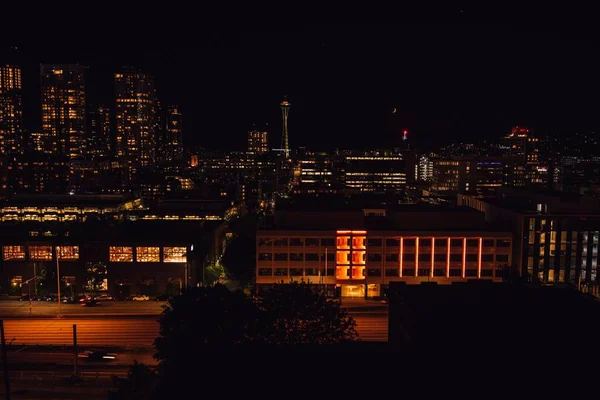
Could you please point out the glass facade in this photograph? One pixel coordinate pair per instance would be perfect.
(13, 253)
(174, 254)
(120, 254)
(147, 254)
(40, 253)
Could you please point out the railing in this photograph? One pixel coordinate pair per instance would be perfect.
(49, 375)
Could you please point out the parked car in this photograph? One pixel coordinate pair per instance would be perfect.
(141, 298)
(97, 355)
(25, 297)
(106, 297)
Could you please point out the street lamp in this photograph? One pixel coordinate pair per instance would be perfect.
(58, 278)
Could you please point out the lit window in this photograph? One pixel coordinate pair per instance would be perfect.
(175, 254)
(40, 253)
(120, 254)
(147, 254)
(68, 252)
(14, 253)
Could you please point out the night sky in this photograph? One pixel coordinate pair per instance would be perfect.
(446, 81)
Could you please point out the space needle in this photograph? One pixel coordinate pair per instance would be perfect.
(285, 144)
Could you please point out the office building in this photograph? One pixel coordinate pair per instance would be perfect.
(135, 123)
(375, 171)
(63, 110)
(316, 174)
(140, 257)
(557, 232)
(257, 142)
(11, 111)
(425, 169)
(524, 165)
(359, 249)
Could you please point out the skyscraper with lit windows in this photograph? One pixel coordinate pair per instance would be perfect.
(285, 140)
(173, 140)
(11, 110)
(63, 110)
(135, 117)
(257, 142)
(99, 129)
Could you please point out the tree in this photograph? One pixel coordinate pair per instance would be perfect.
(141, 384)
(239, 258)
(297, 314)
(203, 319)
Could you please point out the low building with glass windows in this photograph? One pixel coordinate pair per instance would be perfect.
(557, 232)
(122, 258)
(356, 251)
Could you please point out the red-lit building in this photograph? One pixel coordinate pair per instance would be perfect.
(358, 251)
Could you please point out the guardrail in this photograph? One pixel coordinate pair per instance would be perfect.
(48, 375)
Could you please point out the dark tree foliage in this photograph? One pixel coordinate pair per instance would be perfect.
(297, 314)
(141, 384)
(239, 258)
(203, 319)
(224, 336)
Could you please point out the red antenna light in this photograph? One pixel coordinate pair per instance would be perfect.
(405, 132)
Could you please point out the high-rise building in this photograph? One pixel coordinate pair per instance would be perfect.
(285, 142)
(11, 111)
(135, 116)
(425, 169)
(37, 141)
(257, 142)
(524, 153)
(375, 171)
(173, 142)
(63, 110)
(99, 133)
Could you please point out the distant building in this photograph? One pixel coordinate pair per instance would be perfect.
(100, 133)
(63, 110)
(524, 166)
(257, 142)
(425, 169)
(357, 250)
(375, 171)
(135, 116)
(173, 143)
(37, 141)
(316, 174)
(11, 111)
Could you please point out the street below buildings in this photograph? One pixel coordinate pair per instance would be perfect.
(133, 324)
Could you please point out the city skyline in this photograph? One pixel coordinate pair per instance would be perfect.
(440, 82)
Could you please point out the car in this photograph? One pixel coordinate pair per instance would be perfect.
(162, 297)
(90, 303)
(141, 298)
(25, 297)
(97, 355)
(107, 297)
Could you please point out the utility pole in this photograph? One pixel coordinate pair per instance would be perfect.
(4, 362)
(75, 349)
(58, 279)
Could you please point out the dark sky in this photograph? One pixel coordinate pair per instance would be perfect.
(455, 81)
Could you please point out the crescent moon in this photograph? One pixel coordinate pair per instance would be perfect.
(394, 112)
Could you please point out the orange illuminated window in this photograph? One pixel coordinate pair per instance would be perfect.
(342, 257)
(342, 272)
(175, 254)
(358, 257)
(343, 242)
(358, 242)
(68, 253)
(40, 253)
(120, 254)
(13, 253)
(147, 254)
(358, 272)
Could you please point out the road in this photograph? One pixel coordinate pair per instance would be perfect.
(15, 308)
(133, 324)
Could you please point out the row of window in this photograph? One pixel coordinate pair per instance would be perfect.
(392, 257)
(115, 253)
(390, 242)
(376, 272)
